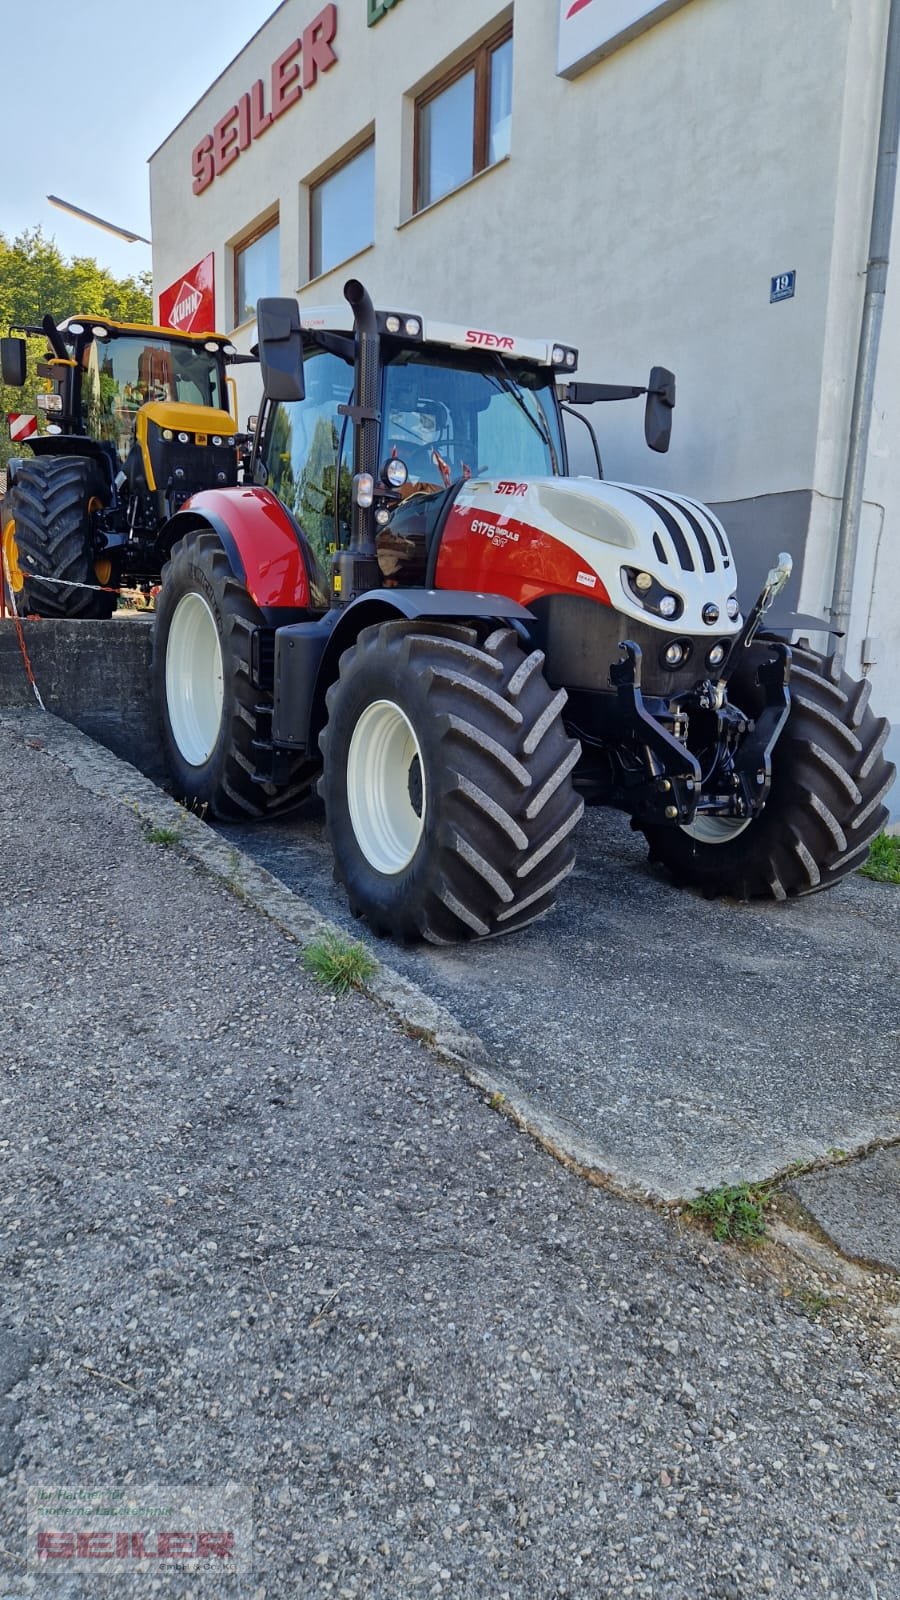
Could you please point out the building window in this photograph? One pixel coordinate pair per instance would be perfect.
(255, 270)
(462, 124)
(342, 212)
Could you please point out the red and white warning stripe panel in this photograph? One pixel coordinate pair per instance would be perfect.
(22, 425)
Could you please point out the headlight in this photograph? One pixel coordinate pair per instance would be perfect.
(710, 613)
(396, 472)
(650, 594)
(168, 435)
(364, 489)
(184, 438)
(715, 656)
(733, 606)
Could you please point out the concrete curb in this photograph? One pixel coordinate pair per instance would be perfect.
(96, 770)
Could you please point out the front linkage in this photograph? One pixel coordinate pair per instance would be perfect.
(667, 784)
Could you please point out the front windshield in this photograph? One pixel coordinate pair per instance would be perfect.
(453, 419)
(121, 374)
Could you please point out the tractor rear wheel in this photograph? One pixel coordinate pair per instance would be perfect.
(829, 778)
(447, 782)
(47, 534)
(211, 713)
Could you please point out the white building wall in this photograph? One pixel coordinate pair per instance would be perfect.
(641, 214)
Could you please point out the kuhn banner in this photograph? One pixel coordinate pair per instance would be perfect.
(189, 304)
(591, 29)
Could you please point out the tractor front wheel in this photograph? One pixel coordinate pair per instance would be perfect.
(48, 543)
(829, 779)
(447, 782)
(211, 713)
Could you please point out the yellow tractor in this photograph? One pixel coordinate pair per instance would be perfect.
(138, 419)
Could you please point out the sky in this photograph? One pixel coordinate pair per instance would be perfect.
(90, 88)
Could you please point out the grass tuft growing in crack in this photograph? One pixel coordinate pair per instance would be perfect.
(163, 836)
(734, 1212)
(341, 964)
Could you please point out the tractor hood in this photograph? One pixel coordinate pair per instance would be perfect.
(609, 539)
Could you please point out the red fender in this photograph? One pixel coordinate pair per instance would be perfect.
(254, 526)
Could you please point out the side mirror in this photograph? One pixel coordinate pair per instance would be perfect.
(252, 422)
(13, 361)
(659, 408)
(280, 349)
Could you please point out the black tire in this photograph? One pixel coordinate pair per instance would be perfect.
(829, 778)
(494, 764)
(224, 780)
(49, 504)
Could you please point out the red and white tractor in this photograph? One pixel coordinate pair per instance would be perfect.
(411, 603)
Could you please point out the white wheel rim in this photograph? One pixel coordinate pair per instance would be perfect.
(715, 830)
(194, 679)
(386, 787)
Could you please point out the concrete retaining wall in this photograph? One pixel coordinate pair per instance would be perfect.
(94, 674)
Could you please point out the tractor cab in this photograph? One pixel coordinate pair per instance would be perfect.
(138, 419)
(452, 407)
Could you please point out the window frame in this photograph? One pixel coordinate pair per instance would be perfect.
(237, 250)
(478, 60)
(366, 144)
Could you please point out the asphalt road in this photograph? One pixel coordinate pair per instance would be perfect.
(687, 1042)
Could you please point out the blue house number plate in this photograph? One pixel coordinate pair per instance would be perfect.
(782, 287)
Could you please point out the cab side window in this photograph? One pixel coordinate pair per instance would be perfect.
(300, 452)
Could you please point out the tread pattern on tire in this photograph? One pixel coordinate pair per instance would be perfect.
(502, 842)
(825, 806)
(229, 786)
(49, 501)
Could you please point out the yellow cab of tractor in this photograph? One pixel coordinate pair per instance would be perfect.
(137, 419)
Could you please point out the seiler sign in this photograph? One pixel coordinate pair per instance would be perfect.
(189, 304)
(591, 29)
(294, 71)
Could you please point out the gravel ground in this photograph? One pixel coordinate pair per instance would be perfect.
(301, 1256)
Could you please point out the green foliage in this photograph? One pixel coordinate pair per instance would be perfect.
(165, 836)
(36, 279)
(883, 863)
(341, 964)
(735, 1211)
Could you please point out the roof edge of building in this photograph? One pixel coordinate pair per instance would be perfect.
(217, 79)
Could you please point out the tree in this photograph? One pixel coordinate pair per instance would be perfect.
(35, 278)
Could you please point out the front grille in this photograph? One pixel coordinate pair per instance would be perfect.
(200, 466)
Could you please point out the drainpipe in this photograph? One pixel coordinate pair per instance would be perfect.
(869, 337)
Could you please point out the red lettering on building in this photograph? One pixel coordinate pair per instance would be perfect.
(202, 164)
(285, 79)
(296, 69)
(225, 134)
(260, 118)
(318, 55)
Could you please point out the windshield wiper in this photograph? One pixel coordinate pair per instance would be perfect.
(508, 384)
